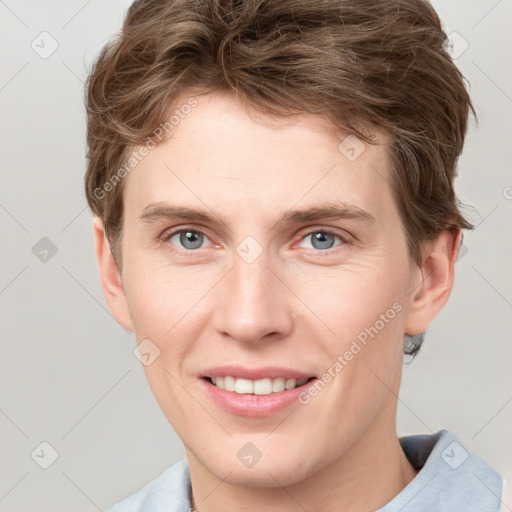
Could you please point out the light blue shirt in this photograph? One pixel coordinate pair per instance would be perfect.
(449, 480)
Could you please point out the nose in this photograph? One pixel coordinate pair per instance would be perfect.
(253, 303)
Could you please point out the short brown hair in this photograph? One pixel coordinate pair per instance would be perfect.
(357, 63)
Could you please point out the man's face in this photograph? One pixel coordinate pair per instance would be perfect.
(259, 291)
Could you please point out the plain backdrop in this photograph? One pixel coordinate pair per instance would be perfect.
(69, 378)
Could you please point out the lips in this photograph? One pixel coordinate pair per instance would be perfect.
(254, 392)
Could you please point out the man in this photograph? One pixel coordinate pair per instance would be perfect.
(276, 223)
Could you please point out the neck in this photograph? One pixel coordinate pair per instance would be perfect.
(366, 477)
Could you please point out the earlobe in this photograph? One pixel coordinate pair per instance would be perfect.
(434, 281)
(110, 276)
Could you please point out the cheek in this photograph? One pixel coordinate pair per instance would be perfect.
(355, 302)
(170, 307)
(159, 312)
(150, 305)
(158, 296)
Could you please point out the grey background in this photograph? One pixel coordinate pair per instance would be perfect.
(68, 373)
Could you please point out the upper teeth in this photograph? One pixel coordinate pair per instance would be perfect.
(256, 387)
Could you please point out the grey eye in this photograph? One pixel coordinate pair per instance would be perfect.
(322, 240)
(189, 239)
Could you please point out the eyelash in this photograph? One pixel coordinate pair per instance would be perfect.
(191, 252)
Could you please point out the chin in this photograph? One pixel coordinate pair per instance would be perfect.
(262, 475)
(275, 469)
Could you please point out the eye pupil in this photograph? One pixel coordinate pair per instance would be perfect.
(191, 239)
(325, 240)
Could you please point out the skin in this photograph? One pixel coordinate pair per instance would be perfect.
(295, 306)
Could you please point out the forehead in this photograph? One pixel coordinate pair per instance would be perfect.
(220, 155)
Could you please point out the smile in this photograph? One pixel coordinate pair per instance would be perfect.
(265, 386)
(254, 392)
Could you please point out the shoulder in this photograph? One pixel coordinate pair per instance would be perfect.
(168, 492)
(449, 477)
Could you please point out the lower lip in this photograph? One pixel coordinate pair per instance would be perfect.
(255, 406)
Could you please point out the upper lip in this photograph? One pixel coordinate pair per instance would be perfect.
(263, 372)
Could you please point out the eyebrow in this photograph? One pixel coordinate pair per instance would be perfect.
(157, 211)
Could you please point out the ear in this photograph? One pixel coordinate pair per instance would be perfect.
(110, 276)
(434, 281)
